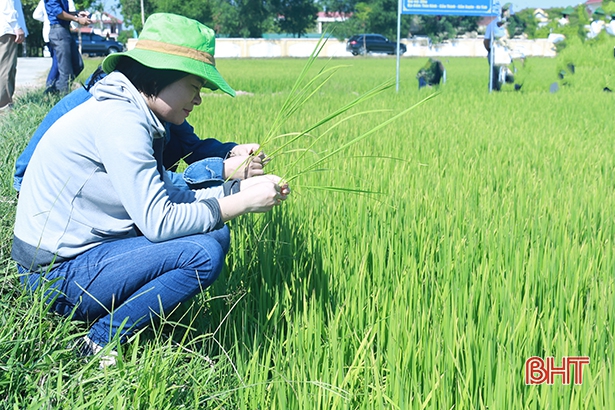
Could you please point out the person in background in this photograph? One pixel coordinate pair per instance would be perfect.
(40, 14)
(431, 74)
(597, 23)
(13, 31)
(210, 161)
(565, 20)
(496, 31)
(99, 225)
(61, 41)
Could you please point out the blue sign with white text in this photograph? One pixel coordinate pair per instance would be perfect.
(452, 7)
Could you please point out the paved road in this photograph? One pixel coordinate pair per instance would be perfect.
(31, 72)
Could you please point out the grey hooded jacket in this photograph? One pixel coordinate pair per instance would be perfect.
(94, 178)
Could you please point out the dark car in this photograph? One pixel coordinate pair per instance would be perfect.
(93, 44)
(373, 43)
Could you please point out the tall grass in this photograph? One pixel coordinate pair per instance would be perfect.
(492, 242)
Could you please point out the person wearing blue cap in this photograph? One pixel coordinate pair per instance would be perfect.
(99, 225)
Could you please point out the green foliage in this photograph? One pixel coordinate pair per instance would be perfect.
(34, 41)
(124, 36)
(609, 7)
(592, 61)
(521, 22)
(383, 18)
(195, 9)
(295, 16)
(232, 18)
(358, 23)
(342, 6)
(490, 242)
(440, 28)
(242, 18)
(373, 16)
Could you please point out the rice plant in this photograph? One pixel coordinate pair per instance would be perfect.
(491, 242)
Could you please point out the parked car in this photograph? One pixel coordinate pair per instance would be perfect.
(373, 43)
(93, 44)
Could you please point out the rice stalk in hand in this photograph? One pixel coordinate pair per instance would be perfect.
(297, 98)
(360, 138)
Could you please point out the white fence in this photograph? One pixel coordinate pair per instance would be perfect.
(303, 47)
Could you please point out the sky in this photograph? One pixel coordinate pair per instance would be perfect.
(543, 4)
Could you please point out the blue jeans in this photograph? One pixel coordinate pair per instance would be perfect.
(60, 40)
(121, 285)
(52, 77)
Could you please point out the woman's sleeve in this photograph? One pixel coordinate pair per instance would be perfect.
(159, 210)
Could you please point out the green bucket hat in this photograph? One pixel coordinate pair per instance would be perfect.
(599, 11)
(172, 42)
(568, 11)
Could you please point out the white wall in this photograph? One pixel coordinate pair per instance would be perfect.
(303, 47)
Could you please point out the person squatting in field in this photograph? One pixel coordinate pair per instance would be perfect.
(100, 225)
(211, 161)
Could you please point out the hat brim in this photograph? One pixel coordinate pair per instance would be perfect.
(164, 61)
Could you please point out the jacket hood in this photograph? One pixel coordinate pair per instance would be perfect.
(116, 86)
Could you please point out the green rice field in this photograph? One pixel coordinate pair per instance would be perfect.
(416, 268)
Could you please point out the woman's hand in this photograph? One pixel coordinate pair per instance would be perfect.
(257, 195)
(243, 167)
(266, 191)
(249, 149)
(20, 36)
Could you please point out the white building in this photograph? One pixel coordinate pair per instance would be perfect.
(541, 17)
(325, 17)
(104, 24)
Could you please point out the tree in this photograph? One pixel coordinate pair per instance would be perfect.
(199, 10)
(234, 18)
(439, 28)
(131, 9)
(372, 16)
(358, 23)
(295, 16)
(522, 22)
(341, 6)
(383, 18)
(242, 18)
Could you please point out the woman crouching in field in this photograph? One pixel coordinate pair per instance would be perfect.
(99, 224)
